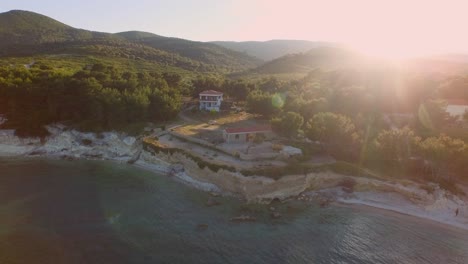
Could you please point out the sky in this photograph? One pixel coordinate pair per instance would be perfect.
(381, 27)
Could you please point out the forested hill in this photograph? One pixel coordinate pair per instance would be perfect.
(24, 33)
(272, 49)
(200, 51)
(325, 58)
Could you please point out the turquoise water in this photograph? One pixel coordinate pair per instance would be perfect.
(102, 212)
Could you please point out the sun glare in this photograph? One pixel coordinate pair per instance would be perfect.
(391, 51)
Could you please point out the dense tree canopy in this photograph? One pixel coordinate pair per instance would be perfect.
(100, 98)
(397, 144)
(288, 124)
(334, 130)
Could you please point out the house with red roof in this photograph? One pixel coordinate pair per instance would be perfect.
(210, 100)
(246, 134)
(457, 107)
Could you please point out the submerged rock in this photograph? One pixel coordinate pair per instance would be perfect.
(275, 215)
(212, 202)
(215, 194)
(244, 218)
(202, 226)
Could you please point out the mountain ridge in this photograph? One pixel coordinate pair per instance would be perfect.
(25, 33)
(272, 49)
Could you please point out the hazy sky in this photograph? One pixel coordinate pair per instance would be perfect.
(392, 27)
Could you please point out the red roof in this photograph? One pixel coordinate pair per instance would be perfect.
(457, 102)
(253, 129)
(211, 92)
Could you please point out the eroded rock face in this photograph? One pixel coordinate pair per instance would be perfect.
(11, 145)
(253, 189)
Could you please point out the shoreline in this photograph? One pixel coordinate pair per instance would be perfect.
(120, 148)
(352, 203)
(396, 212)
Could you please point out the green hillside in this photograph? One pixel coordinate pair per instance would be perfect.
(325, 58)
(200, 51)
(24, 27)
(24, 33)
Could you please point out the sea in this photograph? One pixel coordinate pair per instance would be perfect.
(57, 211)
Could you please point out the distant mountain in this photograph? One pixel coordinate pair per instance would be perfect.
(440, 65)
(453, 57)
(326, 58)
(273, 49)
(24, 33)
(201, 51)
(335, 58)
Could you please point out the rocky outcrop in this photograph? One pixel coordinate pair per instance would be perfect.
(70, 143)
(252, 188)
(324, 188)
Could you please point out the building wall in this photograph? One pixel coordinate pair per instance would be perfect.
(457, 110)
(235, 138)
(242, 137)
(215, 104)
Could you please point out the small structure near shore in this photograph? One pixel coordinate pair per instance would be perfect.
(246, 134)
(457, 107)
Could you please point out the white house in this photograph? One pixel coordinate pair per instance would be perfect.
(457, 107)
(210, 100)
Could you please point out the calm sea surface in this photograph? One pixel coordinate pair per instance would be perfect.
(102, 212)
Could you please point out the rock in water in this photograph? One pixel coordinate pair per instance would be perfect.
(212, 202)
(347, 189)
(243, 218)
(215, 194)
(275, 215)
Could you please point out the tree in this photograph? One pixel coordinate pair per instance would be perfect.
(396, 144)
(238, 89)
(432, 114)
(288, 124)
(445, 154)
(336, 132)
(262, 103)
(205, 83)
